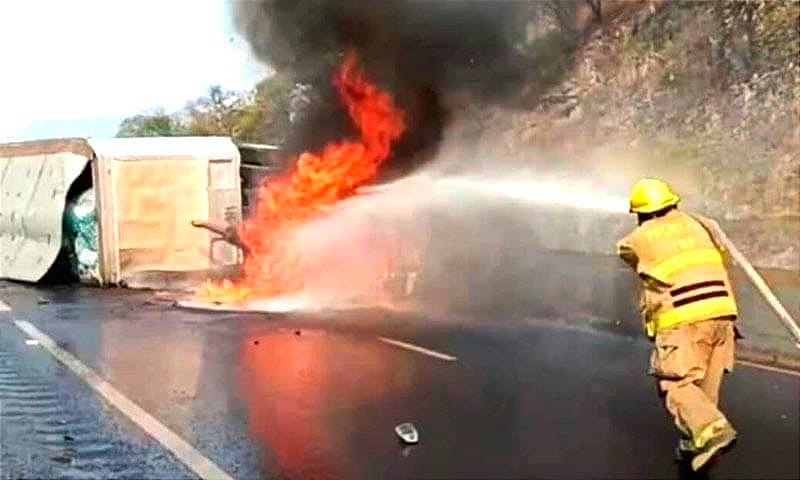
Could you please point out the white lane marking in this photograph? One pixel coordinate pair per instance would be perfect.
(415, 348)
(187, 454)
(4, 307)
(769, 368)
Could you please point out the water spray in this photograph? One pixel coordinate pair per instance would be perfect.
(568, 194)
(422, 188)
(541, 192)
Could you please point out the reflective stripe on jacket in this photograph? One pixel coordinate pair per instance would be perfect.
(682, 270)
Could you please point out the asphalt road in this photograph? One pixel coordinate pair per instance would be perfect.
(315, 396)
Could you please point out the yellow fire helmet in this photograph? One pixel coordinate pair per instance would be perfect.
(650, 195)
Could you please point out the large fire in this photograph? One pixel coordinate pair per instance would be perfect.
(273, 266)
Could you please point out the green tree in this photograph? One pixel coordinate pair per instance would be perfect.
(266, 119)
(216, 113)
(153, 124)
(258, 115)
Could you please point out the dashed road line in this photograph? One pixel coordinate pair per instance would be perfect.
(418, 349)
(187, 454)
(769, 368)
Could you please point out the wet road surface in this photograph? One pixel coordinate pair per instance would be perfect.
(53, 426)
(315, 396)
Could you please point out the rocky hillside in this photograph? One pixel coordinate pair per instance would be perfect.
(706, 94)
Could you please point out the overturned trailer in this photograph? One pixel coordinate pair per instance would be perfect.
(147, 191)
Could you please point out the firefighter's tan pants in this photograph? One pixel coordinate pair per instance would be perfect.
(689, 362)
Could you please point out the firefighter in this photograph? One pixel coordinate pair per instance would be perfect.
(688, 309)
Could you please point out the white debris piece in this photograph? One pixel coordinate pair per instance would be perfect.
(407, 432)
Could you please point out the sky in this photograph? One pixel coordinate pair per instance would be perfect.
(78, 67)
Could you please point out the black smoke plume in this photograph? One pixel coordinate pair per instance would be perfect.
(425, 52)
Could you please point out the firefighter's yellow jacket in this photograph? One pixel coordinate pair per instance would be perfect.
(682, 270)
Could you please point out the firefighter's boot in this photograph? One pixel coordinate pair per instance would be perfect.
(723, 438)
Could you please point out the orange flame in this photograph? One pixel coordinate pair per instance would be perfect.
(273, 266)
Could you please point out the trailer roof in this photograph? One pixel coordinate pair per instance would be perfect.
(130, 148)
(143, 147)
(78, 146)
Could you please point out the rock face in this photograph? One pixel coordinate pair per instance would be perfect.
(704, 94)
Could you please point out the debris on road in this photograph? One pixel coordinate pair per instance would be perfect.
(407, 432)
(31, 342)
